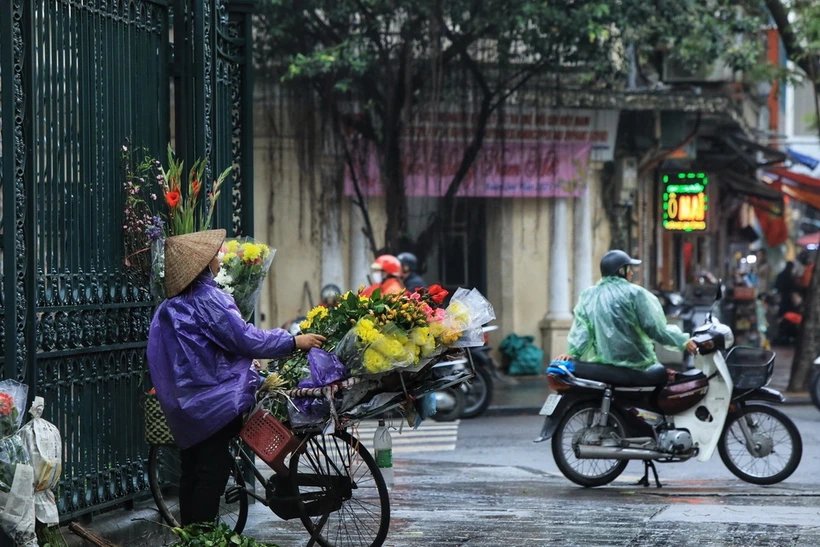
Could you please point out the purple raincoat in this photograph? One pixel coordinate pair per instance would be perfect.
(200, 355)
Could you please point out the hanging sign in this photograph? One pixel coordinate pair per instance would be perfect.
(685, 201)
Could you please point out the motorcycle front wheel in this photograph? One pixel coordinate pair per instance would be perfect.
(453, 407)
(574, 426)
(479, 393)
(760, 445)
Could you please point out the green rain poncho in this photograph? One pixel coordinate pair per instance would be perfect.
(616, 322)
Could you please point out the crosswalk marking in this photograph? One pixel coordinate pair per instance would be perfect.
(429, 437)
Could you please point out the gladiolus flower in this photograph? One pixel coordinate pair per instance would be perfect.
(172, 198)
(196, 187)
(437, 293)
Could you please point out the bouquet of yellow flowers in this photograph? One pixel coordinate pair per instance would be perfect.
(243, 266)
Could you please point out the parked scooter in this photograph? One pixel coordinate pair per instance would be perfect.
(602, 416)
(478, 393)
(450, 401)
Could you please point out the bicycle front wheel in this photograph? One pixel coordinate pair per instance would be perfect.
(163, 479)
(342, 497)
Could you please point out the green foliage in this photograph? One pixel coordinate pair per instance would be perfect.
(208, 535)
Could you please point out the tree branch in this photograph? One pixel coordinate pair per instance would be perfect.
(807, 62)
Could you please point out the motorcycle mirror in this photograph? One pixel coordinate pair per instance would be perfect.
(719, 292)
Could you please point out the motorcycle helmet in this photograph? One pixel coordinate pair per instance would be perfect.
(408, 261)
(614, 260)
(388, 264)
(331, 294)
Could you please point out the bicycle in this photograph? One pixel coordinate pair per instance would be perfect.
(331, 482)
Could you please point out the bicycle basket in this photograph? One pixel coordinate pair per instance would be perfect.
(750, 368)
(269, 439)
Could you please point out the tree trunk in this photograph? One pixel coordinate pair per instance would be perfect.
(395, 198)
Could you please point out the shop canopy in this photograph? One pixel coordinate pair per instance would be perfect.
(803, 188)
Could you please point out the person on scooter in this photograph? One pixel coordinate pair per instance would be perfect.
(409, 274)
(330, 296)
(616, 322)
(201, 362)
(385, 272)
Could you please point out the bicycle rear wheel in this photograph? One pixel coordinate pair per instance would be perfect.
(341, 491)
(163, 479)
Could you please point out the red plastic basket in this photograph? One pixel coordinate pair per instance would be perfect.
(269, 439)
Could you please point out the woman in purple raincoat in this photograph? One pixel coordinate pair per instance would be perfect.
(200, 356)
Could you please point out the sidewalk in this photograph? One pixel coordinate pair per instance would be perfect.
(526, 394)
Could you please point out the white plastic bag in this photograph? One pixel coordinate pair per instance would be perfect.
(44, 444)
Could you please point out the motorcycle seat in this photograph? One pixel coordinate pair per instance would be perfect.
(655, 375)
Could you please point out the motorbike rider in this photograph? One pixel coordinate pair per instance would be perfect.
(385, 272)
(616, 321)
(409, 271)
(330, 296)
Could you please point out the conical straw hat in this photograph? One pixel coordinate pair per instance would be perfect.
(187, 255)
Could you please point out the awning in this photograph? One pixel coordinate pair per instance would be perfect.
(795, 179)
(749, 186)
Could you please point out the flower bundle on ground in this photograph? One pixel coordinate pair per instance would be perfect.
(16, 473)
(243, 266)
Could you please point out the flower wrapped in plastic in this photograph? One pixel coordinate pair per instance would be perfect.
(244, 264)
(16, 472)
(460, 325)
(372, 348)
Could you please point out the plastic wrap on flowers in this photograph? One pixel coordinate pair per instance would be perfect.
(369, 348)
(45, 448)
(158, 269)
(16, 473)
(467, 312)
(244, 264)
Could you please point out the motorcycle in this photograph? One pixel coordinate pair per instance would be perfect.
(476, 395)
(479, 392)
(450, 401)
(601, 416)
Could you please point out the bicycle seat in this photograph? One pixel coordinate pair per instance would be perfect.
(621, 376)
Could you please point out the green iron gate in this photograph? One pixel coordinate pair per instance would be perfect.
(78, 78)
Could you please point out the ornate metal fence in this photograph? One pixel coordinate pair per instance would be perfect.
(78, 78)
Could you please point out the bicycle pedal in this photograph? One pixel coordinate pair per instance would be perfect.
(234, 494)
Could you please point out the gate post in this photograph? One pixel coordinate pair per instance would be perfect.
(18, 208)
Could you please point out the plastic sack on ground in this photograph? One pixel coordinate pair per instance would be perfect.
(617, 322)
(44, 445)
(244, 264)
(524, 356)
(16, 473)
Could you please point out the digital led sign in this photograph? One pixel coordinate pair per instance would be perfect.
(685, 201)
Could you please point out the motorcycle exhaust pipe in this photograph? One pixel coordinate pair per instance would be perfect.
(616, 453)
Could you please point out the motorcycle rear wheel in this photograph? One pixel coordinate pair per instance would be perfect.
(585, 472)
(773, 434)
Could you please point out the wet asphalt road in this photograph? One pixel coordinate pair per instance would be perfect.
(497, 488)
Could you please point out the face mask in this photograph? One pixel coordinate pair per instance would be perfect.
(377, 277)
